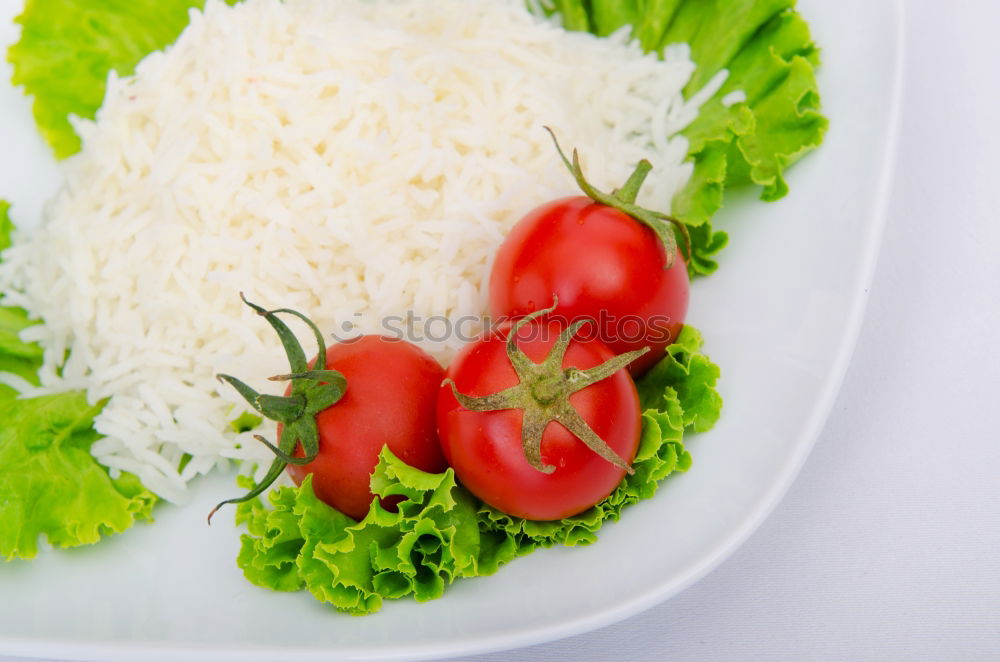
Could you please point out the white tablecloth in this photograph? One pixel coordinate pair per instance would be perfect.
(888, 545)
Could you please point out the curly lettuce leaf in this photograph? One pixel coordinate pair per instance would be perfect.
(49, 483)
(300, 542)
(68, 47)
(685, 376)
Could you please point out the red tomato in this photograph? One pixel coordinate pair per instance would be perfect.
(391, 389)
(603, 265)
(485, 449)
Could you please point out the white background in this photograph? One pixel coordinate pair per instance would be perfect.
(887, 547)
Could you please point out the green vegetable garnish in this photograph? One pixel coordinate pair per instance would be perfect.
(6, 225)
(245, 422)
(16, 357)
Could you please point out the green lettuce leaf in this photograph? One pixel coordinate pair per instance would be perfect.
(687, 376)
(67, 48)
(441, 532)
(6, 226)
(575, 14)
(49, 483)
(18, 357)
(300, 542)
(245, 422)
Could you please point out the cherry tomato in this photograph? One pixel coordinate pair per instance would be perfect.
(391, 390)
(485, 447)
(603, 265)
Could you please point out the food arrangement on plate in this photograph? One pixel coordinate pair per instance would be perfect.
(340, 245)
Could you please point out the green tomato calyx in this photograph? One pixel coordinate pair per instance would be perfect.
(543, 393)
(313, 389)
(623, 199)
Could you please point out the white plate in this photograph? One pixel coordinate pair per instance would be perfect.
(780, 317)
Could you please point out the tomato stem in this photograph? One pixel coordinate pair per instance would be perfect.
(623, 199)
(313, 389)
(630, 191)
(543, 393)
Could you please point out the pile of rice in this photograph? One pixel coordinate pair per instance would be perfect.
(350, 159)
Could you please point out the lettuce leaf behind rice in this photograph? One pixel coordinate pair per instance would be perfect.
(16, 356)
(6, 226)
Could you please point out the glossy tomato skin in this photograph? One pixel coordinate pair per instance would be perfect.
(603, 265)
(392, 386)
(484, 448)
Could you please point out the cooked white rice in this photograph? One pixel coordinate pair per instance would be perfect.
(338, 157)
